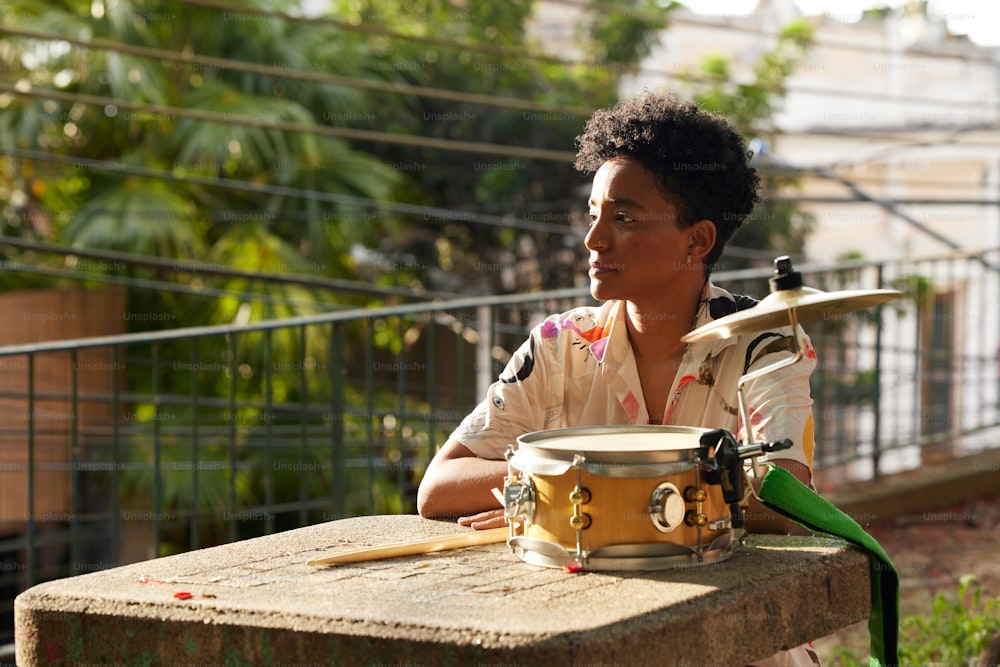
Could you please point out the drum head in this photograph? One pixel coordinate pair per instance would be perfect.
(613, 451)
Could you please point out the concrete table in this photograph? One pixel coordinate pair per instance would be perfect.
(256, 602)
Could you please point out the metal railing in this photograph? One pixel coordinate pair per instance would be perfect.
(180, 439)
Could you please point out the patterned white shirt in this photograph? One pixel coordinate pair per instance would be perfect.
(578, 369)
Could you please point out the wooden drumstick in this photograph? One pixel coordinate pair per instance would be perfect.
(425, 546)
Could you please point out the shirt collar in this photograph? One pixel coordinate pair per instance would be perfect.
(714, 303)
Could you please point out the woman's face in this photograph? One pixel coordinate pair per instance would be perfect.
(637, 248)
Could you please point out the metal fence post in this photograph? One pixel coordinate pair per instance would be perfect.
(195, 454)
(31, 565)
(877, 384)
(337, 416)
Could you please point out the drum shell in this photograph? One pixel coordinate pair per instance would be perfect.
(618, 511)
(621, 484)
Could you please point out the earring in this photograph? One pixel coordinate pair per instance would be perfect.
(689, 258)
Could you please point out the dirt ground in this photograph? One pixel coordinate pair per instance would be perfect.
(931, 551)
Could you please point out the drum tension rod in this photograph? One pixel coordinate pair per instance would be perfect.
(579, 521)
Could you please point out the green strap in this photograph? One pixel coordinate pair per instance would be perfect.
(782, 492)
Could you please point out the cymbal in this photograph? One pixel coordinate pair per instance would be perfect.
(773, 310)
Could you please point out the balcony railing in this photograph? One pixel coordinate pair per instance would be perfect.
(122, 448)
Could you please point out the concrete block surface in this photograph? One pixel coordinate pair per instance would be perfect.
(256, 602)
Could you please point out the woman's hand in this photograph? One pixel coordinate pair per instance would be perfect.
(485, 520)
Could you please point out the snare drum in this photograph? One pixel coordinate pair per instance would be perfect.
(615, 498)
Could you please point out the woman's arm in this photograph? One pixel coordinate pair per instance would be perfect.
(459, 484)
(781, 407)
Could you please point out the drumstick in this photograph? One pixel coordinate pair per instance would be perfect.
(425, 546)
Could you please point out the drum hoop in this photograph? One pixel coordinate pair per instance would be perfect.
(613, 463)
(624, 556)
(553, 467)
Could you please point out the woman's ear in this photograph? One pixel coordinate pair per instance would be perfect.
(701, 237)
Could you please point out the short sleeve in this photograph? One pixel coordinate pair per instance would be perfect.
(779, 402)
(514, 404)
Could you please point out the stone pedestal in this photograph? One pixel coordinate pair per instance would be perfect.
(257, 603)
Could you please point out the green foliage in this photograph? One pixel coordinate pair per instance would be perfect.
(202, 127)
(916, 289)
(109, 205)
(133, 215)
(503, 59)
(96, 195)
(955, 633)
(752, 105)
(625, 31)
(481, 48)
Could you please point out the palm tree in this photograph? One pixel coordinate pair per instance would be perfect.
(223, 131)
(171, 130)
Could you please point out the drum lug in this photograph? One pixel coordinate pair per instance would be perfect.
(580, 521)
(666, 507)
(696, 517)
(579, 497)
(693, 518)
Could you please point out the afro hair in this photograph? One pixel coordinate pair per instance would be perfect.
(698, 159)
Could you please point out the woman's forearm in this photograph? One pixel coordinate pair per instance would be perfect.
(455, 486)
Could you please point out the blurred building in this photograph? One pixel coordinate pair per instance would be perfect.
(893, 127)
(889, 102)
(886, 105)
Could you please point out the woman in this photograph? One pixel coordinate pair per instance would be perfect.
(671, 185)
